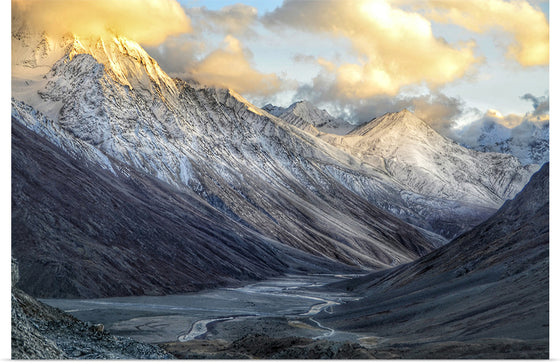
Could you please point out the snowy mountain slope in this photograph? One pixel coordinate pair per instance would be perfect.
(257, 169)
(529, 142)
(430, 164)
(83, 231)
(306, 116)
(439, 179)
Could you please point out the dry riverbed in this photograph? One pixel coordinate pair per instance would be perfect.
(277, 308)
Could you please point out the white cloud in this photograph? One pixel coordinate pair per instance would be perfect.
(144, 21)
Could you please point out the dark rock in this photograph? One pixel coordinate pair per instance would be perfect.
(43, 332)
(257, 346)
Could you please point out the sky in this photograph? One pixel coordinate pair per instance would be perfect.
(452, 62)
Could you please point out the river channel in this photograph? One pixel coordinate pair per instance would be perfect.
(278, 307)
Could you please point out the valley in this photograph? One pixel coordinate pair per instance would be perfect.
(279, 307)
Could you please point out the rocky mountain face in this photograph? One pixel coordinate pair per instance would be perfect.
(306, 116)
(489, 283)
(106, 104)
(529, 142)
(430, 164)
(81, 231)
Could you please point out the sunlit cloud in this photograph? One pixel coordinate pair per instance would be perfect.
(540, 104)
(144, 21)
(394, 48)
(230, 67)
(526, 23)
(178, 53)
(371, 56)
(230, 64)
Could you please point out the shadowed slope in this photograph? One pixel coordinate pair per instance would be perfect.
(491, 282)
(81, 231)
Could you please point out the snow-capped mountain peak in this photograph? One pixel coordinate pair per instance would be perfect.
(257, 169)
(399, 122)
(431, 164)
(273, 109)
(35, 53)
(126, 60)
(310, 118)
(528, 141)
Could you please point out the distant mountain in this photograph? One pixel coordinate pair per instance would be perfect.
(306, 116)
(490, 283)
(458, 184)
(529, 142)
(414, 154)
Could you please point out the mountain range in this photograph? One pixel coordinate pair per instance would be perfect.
(464, 184)
(306, 116)
(189, 176)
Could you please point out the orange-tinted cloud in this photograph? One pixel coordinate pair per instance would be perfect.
(526, 23)
(394, 47)
(230, 67)
(144, 21)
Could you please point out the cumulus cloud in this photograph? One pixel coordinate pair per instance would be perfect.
(441, 112)
(394, 48)
(526, 23)
(509, 120)
(437, 109)
(540, 104)
(539, 114)
(177, 54)
(144, 21)
(230, 67)
(229, 64)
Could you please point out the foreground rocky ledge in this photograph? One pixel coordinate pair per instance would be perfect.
(43, 332)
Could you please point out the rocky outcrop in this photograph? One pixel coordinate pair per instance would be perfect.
(43, 332)
(256, 346)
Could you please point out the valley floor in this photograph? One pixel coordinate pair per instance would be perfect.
(269, 319)
(277, 308)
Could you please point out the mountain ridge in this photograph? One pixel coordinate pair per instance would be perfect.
(414, 153)
(83, 232)
(528, 141)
